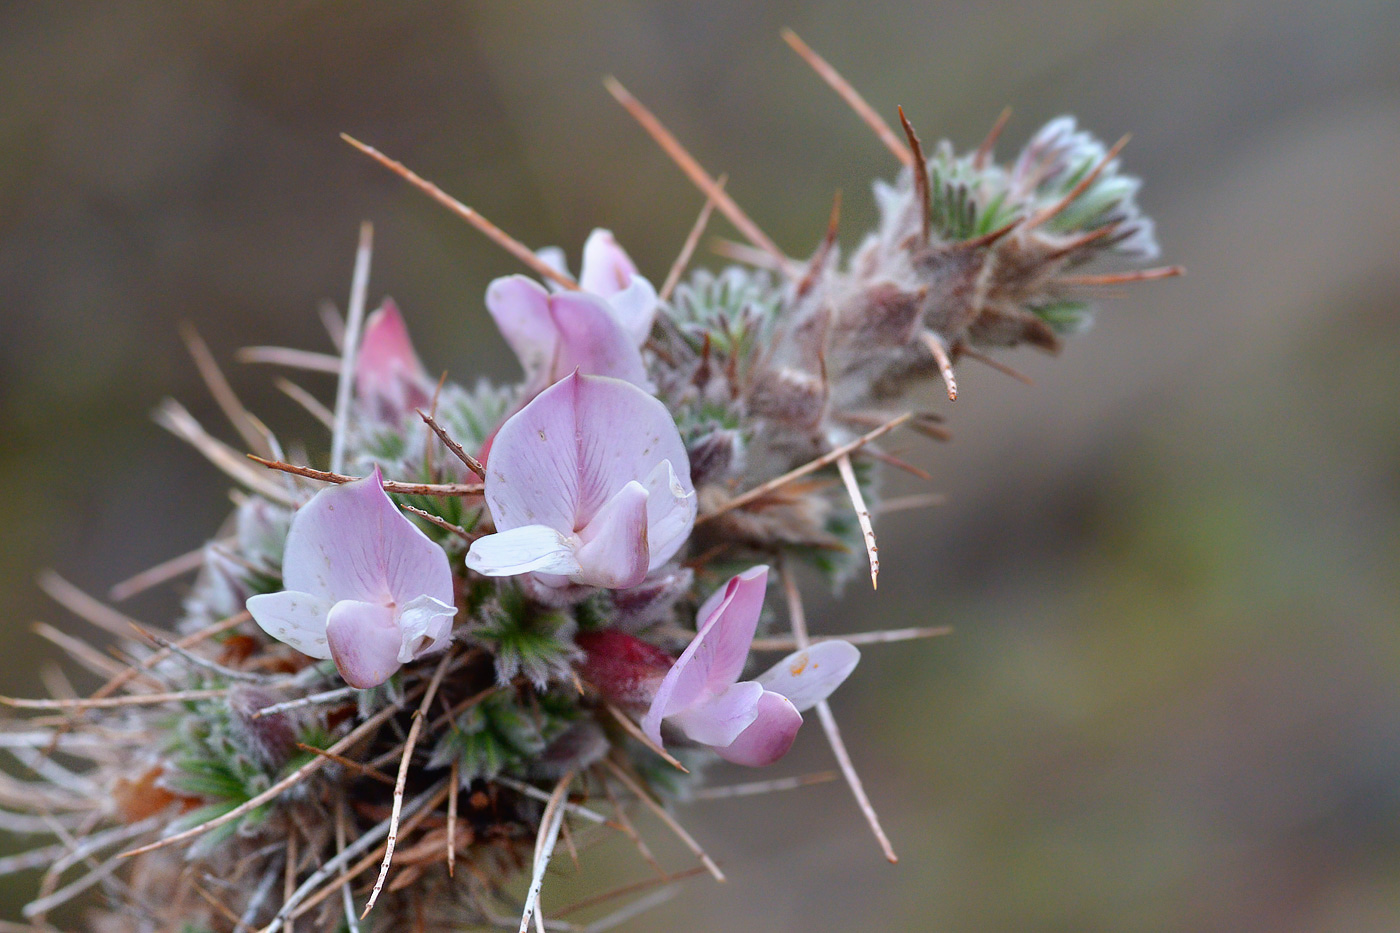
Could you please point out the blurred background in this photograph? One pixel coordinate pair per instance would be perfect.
(1172, 699)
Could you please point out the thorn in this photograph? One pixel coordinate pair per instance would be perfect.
(849, 94)
(160, 573)
(744, 253)
(984, 151)
(987, 239)
(472, 463)
(1080, 242)
(355, 317)
(408, 489)
(702, 180)
(306, 400)
(945, 365)
(798, 618)
(248, 427)
(660, 812)
(286, 356)
(810, 466)
(636, 732)
(920, 168)
(848, 477)
(498, 236)
(692, 240)
(1120, 278)
(1080, 187)
(818, 261)
(996, 364)
(413, 731)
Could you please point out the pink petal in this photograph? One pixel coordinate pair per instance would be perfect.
(715, 657)
(592, 342)
(613, 549)
(607, 269)
(769, 737)
(388, 374)
(671, 506)
(364, 641)
(527, 549)
(808, 677)
(351, 542)
(565, 455)
(520, 307)
(299, 619)
(634, 309)
(720, 719)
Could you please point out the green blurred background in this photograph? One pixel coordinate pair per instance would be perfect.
(1172, 700)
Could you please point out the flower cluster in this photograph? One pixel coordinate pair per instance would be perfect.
(515, 600)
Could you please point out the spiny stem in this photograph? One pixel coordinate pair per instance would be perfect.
(329, 696)
(411, 489)
(1079, 188)
(550, 822)
(661, 814)
(702, 180)
(453, 786)
(848, 477)
(173, 416)
(248, 427)
(811, 466)
(636, 732)
(160, 573)
(354, 324)
(413, 730)
(858, 638)
(945, 363)
(755, 788)
(692, 240)
(798, 619)
(306, 400)
(984, 151)
(851, 96)
(997, 365)
(498, 236)
(442, 523)
(1121, 278)
(293, 359)
(472, 463)
(139, 699)
(920, 170)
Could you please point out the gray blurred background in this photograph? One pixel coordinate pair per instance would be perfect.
(1172, 700)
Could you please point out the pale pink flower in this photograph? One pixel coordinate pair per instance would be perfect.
(589, 482)
(610, 273)
(751, 722)
(389, 379)
(362, 585)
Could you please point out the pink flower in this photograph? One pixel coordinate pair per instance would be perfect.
(751, 722)
(389, 379)
(363, 585)
(610, 273)
(597, 331)
(590, 481)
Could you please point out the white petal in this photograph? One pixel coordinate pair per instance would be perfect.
(426, 626)
(523, 550)
(298, 619)
(808, 677)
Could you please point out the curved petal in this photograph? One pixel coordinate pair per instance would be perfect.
(364, 641)
(592, 342)
(808, 677)
(670, 512)
(613, 549)
(425, 626)
(520, 307)
(299, 619)
(624, 433)
(715, 657)
(607, 269)
(634, 308)
(769, 737)
(720, 719)
(532, 477)
(526, 549)
(351, 542)
(388, 374)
